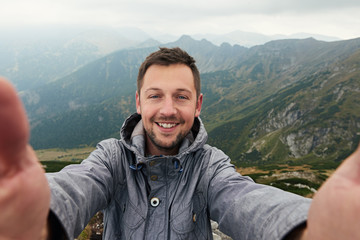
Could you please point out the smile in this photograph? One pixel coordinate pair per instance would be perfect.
(167, 125)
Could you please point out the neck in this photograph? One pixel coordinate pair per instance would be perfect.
(152, 150)
(155, 151)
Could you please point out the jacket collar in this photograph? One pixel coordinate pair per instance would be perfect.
(133, 136)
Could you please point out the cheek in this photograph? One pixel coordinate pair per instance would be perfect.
(189, 115)
(146, 111)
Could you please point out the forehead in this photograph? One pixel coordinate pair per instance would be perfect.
(172, 76)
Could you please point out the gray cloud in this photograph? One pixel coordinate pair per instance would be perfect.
(166, 8)
(339, 18)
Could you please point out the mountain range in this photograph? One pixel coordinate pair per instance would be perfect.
(294, 100)
(31, 57)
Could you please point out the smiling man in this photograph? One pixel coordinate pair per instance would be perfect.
(160, 180)
(168, 104)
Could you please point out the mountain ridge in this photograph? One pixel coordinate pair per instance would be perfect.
(33, 56)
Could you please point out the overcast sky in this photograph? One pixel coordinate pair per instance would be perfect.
(339, 18)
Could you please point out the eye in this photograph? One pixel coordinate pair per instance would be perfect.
(182, 97)
(154, 96)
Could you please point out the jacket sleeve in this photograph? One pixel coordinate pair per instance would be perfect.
(80, 190)
(247, 210)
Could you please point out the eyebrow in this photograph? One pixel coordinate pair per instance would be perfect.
(152, 89)
(159, 89)
(183, 90)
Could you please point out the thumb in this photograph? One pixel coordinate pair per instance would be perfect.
(14, 128)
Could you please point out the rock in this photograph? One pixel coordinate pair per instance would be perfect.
(217, 234)
(214, 225)
(216, 237)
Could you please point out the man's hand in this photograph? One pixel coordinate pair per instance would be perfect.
(335, 210)
(24, 191)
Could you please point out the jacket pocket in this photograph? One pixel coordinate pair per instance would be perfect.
(132, 218)
(184, 222)
(190, 221)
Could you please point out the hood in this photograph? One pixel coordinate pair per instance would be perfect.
(133, 136)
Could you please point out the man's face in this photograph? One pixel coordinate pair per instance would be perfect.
(168, 105)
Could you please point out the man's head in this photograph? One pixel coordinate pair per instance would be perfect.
(166, 57)
(168, 100)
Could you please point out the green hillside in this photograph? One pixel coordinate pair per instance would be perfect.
(291, 116)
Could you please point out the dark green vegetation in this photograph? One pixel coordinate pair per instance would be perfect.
(289, 101)
(290, 185)
(55, 166)
(302, 180)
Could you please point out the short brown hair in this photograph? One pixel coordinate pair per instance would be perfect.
(166, 57)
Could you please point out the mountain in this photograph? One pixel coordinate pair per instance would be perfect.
(284, 101)
(31, 58)
(250, 39)
(289, 100)
(115, 76)
(108, 83)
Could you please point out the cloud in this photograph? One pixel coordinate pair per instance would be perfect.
(215, 8)
(339, 18)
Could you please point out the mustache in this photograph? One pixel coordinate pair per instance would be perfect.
(167, 119)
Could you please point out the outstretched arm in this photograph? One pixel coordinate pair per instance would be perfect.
(24, 191)
(335, 210)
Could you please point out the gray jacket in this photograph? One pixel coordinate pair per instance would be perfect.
(169, 197)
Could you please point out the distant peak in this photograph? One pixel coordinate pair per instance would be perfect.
(189, 41)
(185, 38)
(225, 45)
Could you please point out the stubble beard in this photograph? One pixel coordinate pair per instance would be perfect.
(163, 146)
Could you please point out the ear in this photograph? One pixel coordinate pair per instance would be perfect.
(198, 105)
(137, 97)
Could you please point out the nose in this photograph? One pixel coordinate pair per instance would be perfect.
(168, 107)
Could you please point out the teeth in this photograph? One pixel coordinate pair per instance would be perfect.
(167, 125)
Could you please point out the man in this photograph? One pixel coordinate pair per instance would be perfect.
(161, 180)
